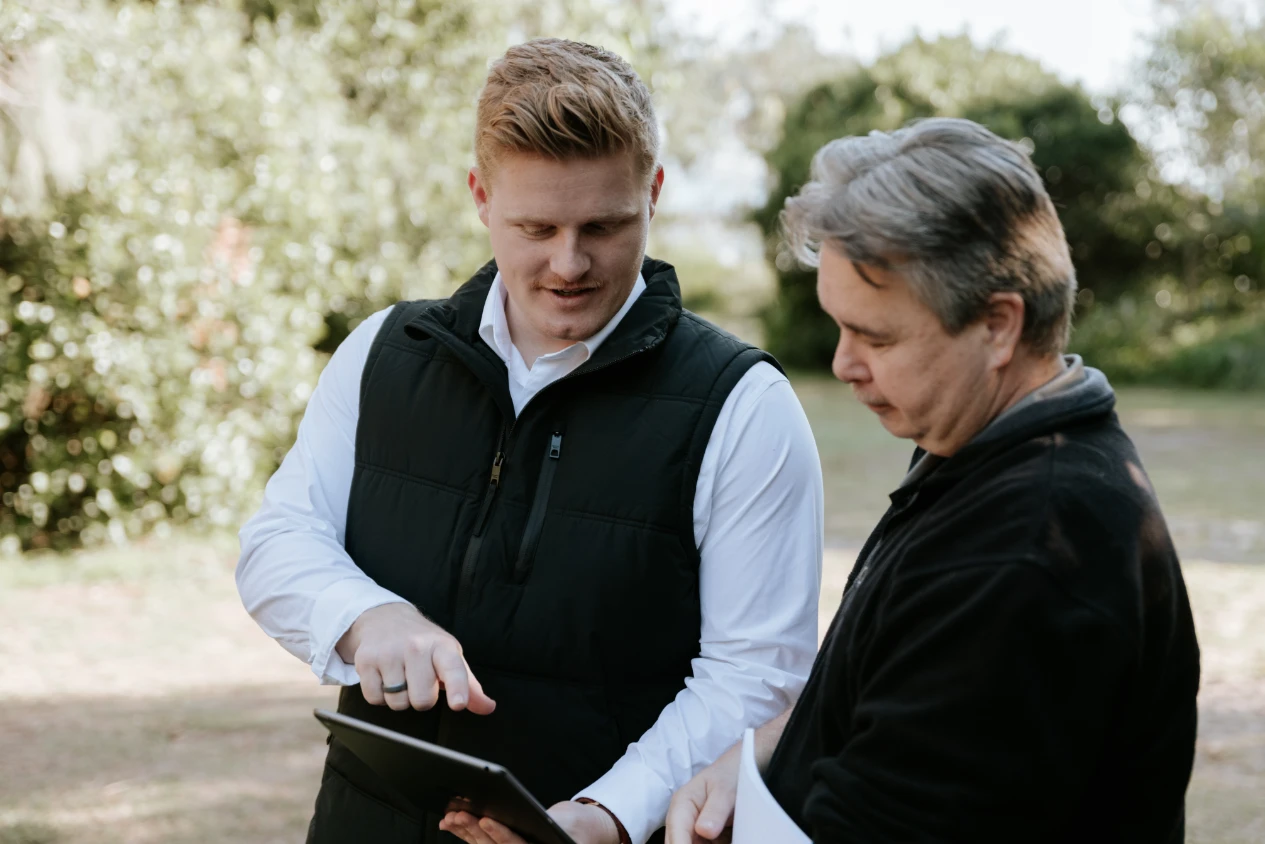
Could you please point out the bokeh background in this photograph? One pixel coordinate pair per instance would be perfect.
(199, 200)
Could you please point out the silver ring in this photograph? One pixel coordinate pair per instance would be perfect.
(398, 687)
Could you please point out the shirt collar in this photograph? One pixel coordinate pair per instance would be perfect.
(495, 330)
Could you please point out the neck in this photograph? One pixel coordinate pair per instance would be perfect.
(1019, 378)
(530, 343)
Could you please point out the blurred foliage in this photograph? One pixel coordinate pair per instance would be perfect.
(1130, 230)
(1203, 83)
(199, 200)
(712, 98)
(272, 171)
(1168, 339)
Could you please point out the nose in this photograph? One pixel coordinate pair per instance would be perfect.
(569, 261)
(847, 366)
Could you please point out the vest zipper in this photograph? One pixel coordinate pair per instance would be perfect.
(536, 518)
(480, 523)
(476, 539)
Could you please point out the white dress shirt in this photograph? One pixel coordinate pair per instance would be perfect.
(757, 520)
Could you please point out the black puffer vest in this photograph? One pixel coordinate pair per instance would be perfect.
(558, 546)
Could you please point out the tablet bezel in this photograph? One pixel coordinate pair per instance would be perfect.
(503, 797)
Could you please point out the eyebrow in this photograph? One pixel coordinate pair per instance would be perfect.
(866, 332)
(605, 219)
(860, 270)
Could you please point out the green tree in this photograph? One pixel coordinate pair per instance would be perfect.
(1090, 163)
(1203, 80)
(1199, 105)
(272, 174)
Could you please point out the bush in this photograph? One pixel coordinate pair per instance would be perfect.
(1127, 229)
(1208, 342)
(268, 180)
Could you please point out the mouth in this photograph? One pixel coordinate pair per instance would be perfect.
(571, 294)
(876, 406)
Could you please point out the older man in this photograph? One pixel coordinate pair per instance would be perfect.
(1014, 657)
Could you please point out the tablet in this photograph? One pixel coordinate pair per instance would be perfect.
(438, 780)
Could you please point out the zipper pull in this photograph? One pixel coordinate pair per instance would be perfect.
(496, 469)
(555, 446)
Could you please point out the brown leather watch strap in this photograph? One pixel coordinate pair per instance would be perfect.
(623, 833)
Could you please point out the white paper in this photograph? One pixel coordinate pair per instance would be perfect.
(758, 819)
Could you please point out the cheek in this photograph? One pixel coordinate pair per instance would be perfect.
(909, 378)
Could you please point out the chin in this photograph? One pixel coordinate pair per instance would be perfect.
(569, 332)
(897, 427)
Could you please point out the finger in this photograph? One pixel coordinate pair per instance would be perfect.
(716, 814)
(479, 703)
(423, 688)
(477, 832)
(466, 827)
(499, 833)
(453, 673)
(370, 683)
(447, 823)
(393, 676)
(682, 813)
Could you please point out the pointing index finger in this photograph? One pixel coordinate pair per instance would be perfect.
(452, 673)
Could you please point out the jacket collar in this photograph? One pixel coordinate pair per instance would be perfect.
(1080, 395)
(455, 322)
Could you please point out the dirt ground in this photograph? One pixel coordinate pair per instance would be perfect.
(139, 703)
(144, 707)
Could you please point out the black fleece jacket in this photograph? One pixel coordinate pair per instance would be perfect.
(1014, 658)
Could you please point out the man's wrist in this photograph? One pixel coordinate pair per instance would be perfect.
(619, 826)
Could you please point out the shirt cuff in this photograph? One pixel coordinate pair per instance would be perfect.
(635, 795)
(333, 612)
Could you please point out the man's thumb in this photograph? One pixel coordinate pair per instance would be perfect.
(716, 814)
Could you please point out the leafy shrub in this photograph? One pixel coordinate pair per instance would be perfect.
(1209, 341)
(269, 182)
(1127, 228)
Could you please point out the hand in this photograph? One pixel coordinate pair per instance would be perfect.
(703, 809)
(584, 823)
(395, 643)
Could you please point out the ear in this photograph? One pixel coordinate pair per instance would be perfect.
(480, 192)
(1003, 320)
(656, 185)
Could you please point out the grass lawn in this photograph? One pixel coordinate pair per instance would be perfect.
(1205, 453)
(139, 703)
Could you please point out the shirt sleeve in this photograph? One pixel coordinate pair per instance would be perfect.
(758, 521)
(294, 576)
(982, 705)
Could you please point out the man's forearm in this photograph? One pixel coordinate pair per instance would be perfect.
(767, 737)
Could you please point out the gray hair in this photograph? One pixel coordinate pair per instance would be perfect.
(957, 211)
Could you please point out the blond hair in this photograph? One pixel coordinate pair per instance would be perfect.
(563, 100)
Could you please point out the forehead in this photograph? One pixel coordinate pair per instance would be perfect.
(529, 184)
(842, 283)
(869, 297)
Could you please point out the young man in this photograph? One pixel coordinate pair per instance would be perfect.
(554, 520)
(1014, 657)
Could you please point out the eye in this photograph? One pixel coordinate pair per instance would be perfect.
(537, 231)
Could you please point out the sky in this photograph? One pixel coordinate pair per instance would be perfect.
(1093, 42)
